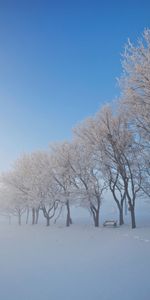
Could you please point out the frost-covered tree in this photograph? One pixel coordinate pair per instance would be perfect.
(61, 173)
(135, 85)
(135, 82)
(93, 133)
(123, 155)
(31, 178)
(22, 178)
(87, 178)
(44, 190)
(12, 202)
(114, 147)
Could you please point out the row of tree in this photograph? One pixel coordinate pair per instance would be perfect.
(108, 151)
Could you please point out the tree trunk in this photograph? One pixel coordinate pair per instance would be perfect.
(121, 220)
(47, 221)
(68, 219)
(95, 214)
(119, 205)
(33, 216)
(27, 217)
(97, 218)
(132, 217)
(37, 216)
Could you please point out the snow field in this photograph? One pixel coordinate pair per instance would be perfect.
(81, 262)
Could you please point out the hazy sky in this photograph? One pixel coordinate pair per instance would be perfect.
(58, 64)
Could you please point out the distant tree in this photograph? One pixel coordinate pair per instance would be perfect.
(12, 203)
(32, 179)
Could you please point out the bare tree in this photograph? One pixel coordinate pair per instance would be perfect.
(86, 178)
(135, 87)
(114, 145)
(125, 154)
(62, 176)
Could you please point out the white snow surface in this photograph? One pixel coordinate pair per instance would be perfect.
(76, 263)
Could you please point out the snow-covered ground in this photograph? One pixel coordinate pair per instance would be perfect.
(76, 263)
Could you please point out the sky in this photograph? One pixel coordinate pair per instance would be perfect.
(59, 61)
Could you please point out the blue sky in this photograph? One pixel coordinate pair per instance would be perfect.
(58, 64)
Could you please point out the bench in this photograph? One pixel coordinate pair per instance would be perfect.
(110, 223)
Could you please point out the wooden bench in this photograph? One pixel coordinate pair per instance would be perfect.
(110, 223)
